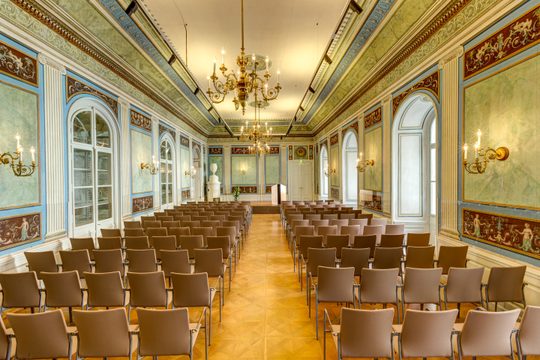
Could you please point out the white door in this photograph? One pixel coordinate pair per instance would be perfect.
(300, 180)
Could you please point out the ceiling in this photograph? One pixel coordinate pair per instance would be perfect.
(293, 33)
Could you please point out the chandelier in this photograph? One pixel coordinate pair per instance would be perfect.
(258, 135)
(247, 80)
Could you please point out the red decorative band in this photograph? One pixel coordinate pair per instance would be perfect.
(429, 83)
(373, 118)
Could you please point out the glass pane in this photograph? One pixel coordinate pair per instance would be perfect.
(170, 193)
(82, 127)
(169, 153)
(82, 167)
(163, 150)
(433, 165)
(163, 194)
(169, 174)
(103, 133)
(162, 172)
(104, 202)
(433, 134)
(433, 198)
(104, 169)
(84, 216)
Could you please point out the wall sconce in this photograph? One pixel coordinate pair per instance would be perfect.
(362, 164)
(243, 170)
(482, 156)
(15, 160)
(192, 172)
(329, 172)
(153, 167)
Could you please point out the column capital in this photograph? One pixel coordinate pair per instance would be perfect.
(123, 101)
(386, 99)
(451, 55)
(48, 61)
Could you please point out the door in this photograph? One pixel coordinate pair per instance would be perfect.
(300, 180)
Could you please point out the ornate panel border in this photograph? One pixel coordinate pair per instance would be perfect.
(20, 229)
(310, 152)
(516, 234)
(240, 150)
(142, 203)
(164, 129)
(246, 189)
(184, 141)
(76, 87)
(186, 194)
(334, 193)
(19, 65)
(429, 83)
(215, 151)
(334, 139)
(291, 152)
(515, 37)
(274, 150)
(373, 117)
(139, 120)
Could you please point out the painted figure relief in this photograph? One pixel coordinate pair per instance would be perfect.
(19, 230)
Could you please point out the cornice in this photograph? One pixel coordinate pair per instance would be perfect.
(46, 60)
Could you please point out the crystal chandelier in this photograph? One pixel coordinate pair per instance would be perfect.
(246, 80)
(258, 135)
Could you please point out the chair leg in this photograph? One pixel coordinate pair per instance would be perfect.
(316, 315)
(324, 337)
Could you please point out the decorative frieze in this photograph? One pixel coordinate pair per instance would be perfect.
(20, 229)
(164, 129)
(77, 87)
(274, 150)
(310, 153)
(429, 83)
(142, 203)
(139, 120)
(372, 118)
(334, 139)
(290, 152)
(186, 194)
(215, 151)
(246, 189)
(184, 141)
(240, 150)
(17, 64)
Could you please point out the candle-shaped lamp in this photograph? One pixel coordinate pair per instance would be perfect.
(479, 134)
(223, 56)
(267, 60)
(465, 148)
(18, 138)
(33, 152)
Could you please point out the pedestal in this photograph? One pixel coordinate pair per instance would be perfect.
(214, 189)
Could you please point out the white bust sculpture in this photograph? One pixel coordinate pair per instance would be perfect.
(213, 178)
(214, 186)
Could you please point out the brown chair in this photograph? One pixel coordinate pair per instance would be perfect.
(351, 231)
(210, 261)
(463, 285)
(179, 231)
(348, 216)
(109, 260)
(329, 216)
(421, 286)
(393, 240)
(487, 333)
(376, 230)
(220, 218)
(306, 242)
(41, 336)
(106, 233)
(63, 290)
(420, 257)
(104, 333)
(317, 257)
(204, 231)
(505, 284)
(366, 241)
(359, 222)
(78, 260)
(141, 260)
(39, 261)
(167, 332)
(163, 243)
(452, 256)
(151, 232)
(298, 232)
(356, 258)
(324, 231)
(109, 243)
(362, 333)
(83, 243)
(163, 218)
(147, 289)
(387, 258)
(529, 333)
(368, 217)
(134, 232)
(132, 225)
(426, 334)
(223, 243)
(232, 233)
(190, 224)
(339, 242)
(137, 242)
(171, 224)
(190, 243)
(318, 223)
(20, 290)
(333, 285)
(418, 239)
(147, 218)
(339, 223)
(5, 341)
(149, 224)
(379, 286)
(175, 261)
(379, 222)
(105, 290)
(394, 229)
(211, 223)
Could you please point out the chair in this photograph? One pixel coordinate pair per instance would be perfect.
(149, 224)
(157, 231)
(105, 290)
(426, 334)
(329, 216)
(147, 218)
(487, 333)
(175, 261)
(378, 222)
(387, 258)
(167, 332)
(78, 260)
(170, 224)
(339, 242)
(111, 233)
(359, 222)
(418, 239)
(147, 289)
(463, 285)
(132, 224)
(211, 223)
(392, 240)
(134, 232)
(190, 243)
(312, 217)
(421, 286)
(506, 284)
(351, 231)
(109, 260)
(179, 231)
(452, 256)
(223, 243)
(141, 260)
(306, 242)
(333, 285)
(348, 216)
(339, 223)
(317, 257)
(41, 336)
(420, 257)
(376, 230)
(379, 286)
(362, 333)
(529, 333)
(318, 223)
(163, 243)
(366, 241)
(204, 231)
(20, 290)
(137, 242)
(109, 243)
(356, 258)
(104, 333)
(220, 218)
(63, 290)
(324, 231)
(39, 261)
(83, 243)
(394, 229)
(6, 344)
(232, 233)
(210, 261)
(298, 232)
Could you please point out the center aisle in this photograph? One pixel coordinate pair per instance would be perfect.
(265, 314)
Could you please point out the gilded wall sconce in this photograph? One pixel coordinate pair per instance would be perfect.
(482, 156)
(192, 172)
(329, 172)
(361, 164)
(15, 160)
(153, 167)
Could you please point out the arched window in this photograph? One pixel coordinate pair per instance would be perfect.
(92, 157)
(350, 173)
(324, 171)
(166, 174)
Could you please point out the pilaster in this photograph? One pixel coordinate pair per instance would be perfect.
(125, 151)
(387, 155)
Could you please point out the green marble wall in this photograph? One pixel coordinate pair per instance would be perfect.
(373, 151)
(21, 116)
(271, 170)
(506, 108)
(244, 170)
(218, 160)
(141, 151)
(333, 164)
(184, 160)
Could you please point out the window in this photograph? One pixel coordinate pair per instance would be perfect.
(433, 168)
(350, 173)
(166, 172)
(324, 171)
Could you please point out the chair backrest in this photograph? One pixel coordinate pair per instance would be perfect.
(229, 231)
(134, 232)
(20, 289)
(163, 243)
(506, 283)
(394, 229)
(317, 223)
(190, 224)
(171, 224)
(366, 333)
(147, 289)
(141, 260)
(190, 243)
(209, 261)
(464, 285)
(339, 223)
(105, 289)
(4, 342)
(175, 261)
(204, 231)
(348, 216)
(488, 333)
(304, 230)
(421, 286)
(357, 258)
(132, 224)
(428, 333)
(109, 260)
(78, 260)
(330, 216)
(452, 256)
(151, 224)
(109, 243)
(418, 239)
(327, 230)
(190, 290)
(156, 231)
(366, 241)
(379, 221)
(320, 257)
(360, 222)
(164, 332)
(335, 284)
(40, 336)
(147, 218)
(392, 240)
(220, 218)
(376, 230)
(211, 223)
(103, 333)
(529, 331)
(368, 217)
(313, 217)
(420, 257)
(63, 289)
(351, 231)
(39, 261)
(309, 241)
(387, 257)
(337, 241)
(378, 286)
(137, 242)
(83, 243)
(111, 233)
